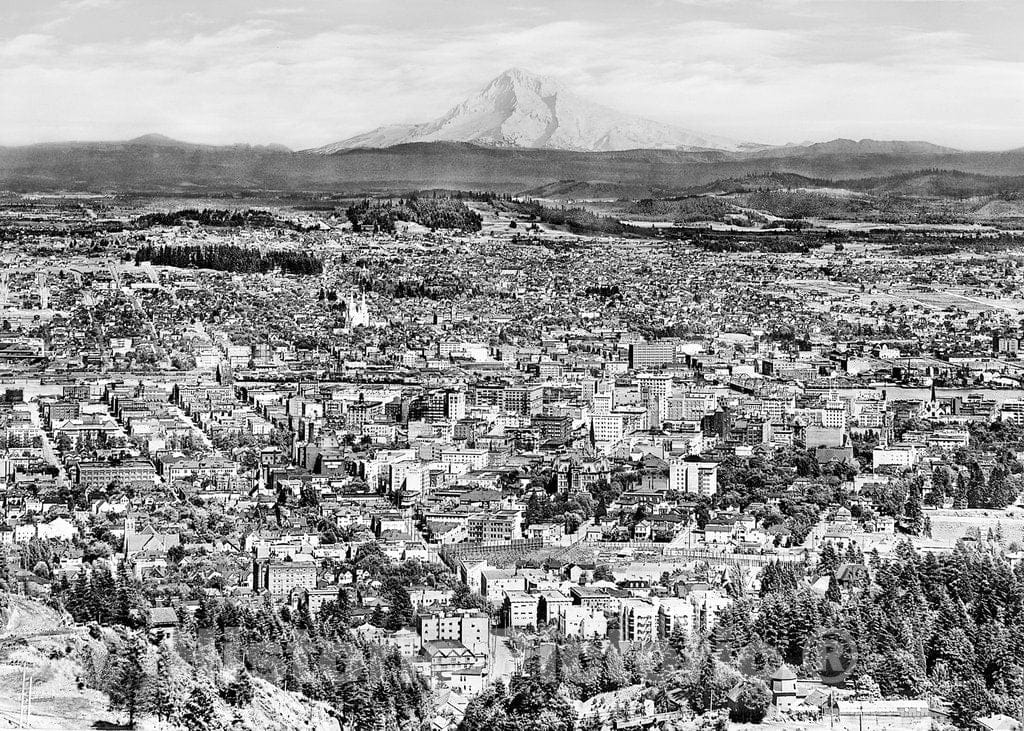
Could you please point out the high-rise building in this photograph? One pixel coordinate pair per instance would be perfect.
(657, 354)
(697, 478)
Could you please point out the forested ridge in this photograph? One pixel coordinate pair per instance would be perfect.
(434, 213)
(230, 258)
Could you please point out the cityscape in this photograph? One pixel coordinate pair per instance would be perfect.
(539, 415)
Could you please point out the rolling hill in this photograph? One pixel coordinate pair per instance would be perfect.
(157, 165)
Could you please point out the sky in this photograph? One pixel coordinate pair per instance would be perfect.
(305, 73)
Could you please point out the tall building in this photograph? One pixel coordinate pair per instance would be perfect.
(657, 354)
(445, 403)
(525, 400)
(553, 428)
(281, 577)
(697, 478)
(655, 391)
(638, 621)
(472, 629)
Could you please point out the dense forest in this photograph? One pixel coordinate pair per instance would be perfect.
(689, 210)
(434, 213)
(805, 204)
(774, 243)
(251, 218)
(933, 625)
(230, 258)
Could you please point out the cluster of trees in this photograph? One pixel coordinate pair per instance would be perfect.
(368, 685)
(434, 213)
(689, 210)
(802, 204)
(577, 220)
(571, 510)
(605, 291)
(423, 290)
(104, 597)
(743, 481)
(949, 625)
(143, 683)
(230, 258)
(963, 481)
(773, 243)
(583, 669)
(209, 217)
(531, 702)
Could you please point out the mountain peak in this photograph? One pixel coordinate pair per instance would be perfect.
(517, 76)
(155, 138)
(519, 108)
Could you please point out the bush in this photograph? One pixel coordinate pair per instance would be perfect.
(752, 703)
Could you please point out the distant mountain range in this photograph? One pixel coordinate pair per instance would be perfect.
(158, 164)
(520, 132)
(520, 109)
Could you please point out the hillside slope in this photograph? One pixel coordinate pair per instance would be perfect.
(47, 648)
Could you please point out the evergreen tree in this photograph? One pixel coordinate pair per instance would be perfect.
(198, 712)
(102, 589)
(240, 691)
(975, 486)
(679, 640)
(165, 697)
(828, 560)
(833, 594)
(703, 698)
(129, 678)
(80, 602)
(130, 608)
(613, 671)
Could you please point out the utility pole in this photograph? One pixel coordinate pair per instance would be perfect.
(21, 707)
(25, 705)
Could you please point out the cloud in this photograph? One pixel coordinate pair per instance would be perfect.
(24, 46)
(312, 72)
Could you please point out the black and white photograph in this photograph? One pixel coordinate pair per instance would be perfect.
(540, 365)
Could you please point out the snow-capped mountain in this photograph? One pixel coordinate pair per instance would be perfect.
(520, 109)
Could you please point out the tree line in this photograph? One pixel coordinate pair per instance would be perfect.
(434, 213)
(230, 258)
(209, 217)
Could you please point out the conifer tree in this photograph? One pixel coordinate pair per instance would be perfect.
(613, 670)
(128, 680)
(239, 692)
(166, 696)
(198, 712)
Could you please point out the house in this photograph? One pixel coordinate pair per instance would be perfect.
(470, 628)
(493, 582)
(450, 655)
(590, 598)
(551, 605)
(468, 681)
(519, 609)
(582, 623)
(997, 722)
(850, 575)
(163, 622)
(783, 682)
(148, 540)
